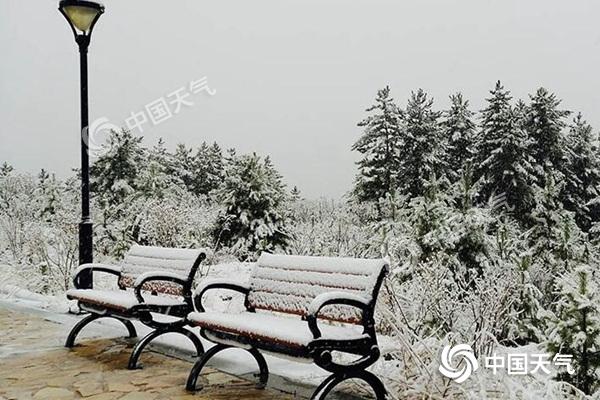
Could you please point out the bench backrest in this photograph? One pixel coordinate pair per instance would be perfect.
(140, 259)
(288, 284)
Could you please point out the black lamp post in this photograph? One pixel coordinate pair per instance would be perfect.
(82, 16)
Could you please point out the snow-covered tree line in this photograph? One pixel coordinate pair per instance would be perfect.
(492, 220)
(233, 204)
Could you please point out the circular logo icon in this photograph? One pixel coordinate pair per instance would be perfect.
(95, 137)
(461, 369)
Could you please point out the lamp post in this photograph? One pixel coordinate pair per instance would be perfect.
(82, 16)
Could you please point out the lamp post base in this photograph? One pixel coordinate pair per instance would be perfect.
(85, 251)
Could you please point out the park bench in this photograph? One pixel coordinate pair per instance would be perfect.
(300, 307)
(153, 282)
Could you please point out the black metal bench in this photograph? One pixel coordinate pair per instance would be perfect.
(288, 300)
(151, 280)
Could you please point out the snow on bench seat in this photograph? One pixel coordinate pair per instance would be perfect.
(123, 300)
(144, 259)
(288, 284)
(292, 332)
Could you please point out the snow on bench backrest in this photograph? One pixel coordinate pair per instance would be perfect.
(288, 284)
(140, 259)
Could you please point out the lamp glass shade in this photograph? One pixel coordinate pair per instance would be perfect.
(81, 17)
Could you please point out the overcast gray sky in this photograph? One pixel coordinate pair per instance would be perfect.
(292, 77)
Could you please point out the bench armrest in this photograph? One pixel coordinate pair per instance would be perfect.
(209, 284)
(160, 276)
(339, 298)
(92, 267)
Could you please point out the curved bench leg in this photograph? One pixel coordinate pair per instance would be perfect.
(78, 327)
(333, 380)
(263, 375)
(92, 317)
(139, 347)
(130, 327)
(199, 365)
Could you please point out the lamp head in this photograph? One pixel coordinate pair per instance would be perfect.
(81, 16)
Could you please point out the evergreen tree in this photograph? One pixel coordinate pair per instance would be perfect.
(253, 197)
(295, 194)
(504, 165)
(5, 169)
(379, 146)
(555, 241)
(202, 171)
(183, 167)
(582, 190)
(114, 181)
(528, 317)
(421, 152)
(210, 168)
(48, 191)
(576, 329)
(459, 130)
(115, 172)
(155, 178)
(544, 122)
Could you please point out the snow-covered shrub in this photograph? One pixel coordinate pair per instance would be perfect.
(555, 241)
(576, 328)
(330, 228)
(17, 212)
(253, 198)
(179, 219)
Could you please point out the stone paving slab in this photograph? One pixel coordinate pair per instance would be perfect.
(34, 367)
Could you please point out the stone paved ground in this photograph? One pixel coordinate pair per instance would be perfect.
(33, 365)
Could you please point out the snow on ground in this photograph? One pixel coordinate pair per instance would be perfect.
(57, 308)
(401, 375)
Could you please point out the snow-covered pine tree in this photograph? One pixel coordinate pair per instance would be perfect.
(520, 113)
(114, 173)
(555, 242)
(422, 146)
(458, 129)
(504, 166)
(184, 166)
(295, 194)
(528, 317)
(582, 190)
(5, 169)
(48, 192)
(210, 168)
(379, 146)
(576, 328)
(114, 179)
(253, 196)
(202, 171)
(544, 123)
(155, 179)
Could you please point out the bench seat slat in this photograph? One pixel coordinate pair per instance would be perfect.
(288, 284)
(144, 259)
(305, 290)
(298, 305)
(166, 253)
(342, 265)
(326, 280)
